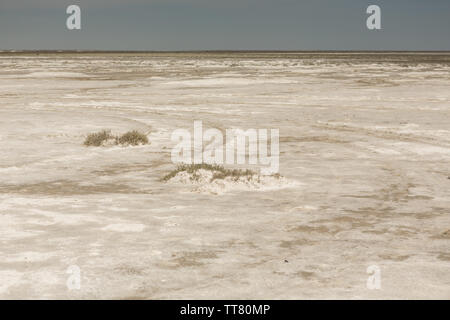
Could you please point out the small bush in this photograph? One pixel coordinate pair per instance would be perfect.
(98, 138)
(133, 138)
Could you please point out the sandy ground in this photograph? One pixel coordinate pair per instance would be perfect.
(365, 137)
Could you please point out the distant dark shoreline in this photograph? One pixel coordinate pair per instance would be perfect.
(407, 57)
(228, 51)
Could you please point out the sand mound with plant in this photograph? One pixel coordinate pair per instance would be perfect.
(213, 179)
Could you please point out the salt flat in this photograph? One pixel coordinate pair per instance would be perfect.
(365, 138)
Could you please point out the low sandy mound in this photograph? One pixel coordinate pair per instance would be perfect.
(217, 180)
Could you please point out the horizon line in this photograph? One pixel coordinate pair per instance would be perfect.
(215, 51)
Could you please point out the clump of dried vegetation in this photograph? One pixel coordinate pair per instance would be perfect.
(97, 139)
(219, 172)
(133, 138)
(104, 137)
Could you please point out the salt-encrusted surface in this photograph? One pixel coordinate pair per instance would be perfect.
(366, 135)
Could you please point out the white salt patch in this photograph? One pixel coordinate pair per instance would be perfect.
(9, 234)
(226, 81)
(63, 218)
(432, 150)
(306, 207)
(382, 150)
(9, 169)
(9, 278)
(11, 228)
(30, 256)
(116, 209)
(421, 149)
(54, 75)
(124, 227)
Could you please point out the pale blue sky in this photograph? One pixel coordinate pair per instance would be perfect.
(225, 25)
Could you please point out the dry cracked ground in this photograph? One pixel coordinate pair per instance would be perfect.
(366, 137)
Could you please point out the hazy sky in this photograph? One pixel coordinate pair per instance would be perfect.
(225, 25)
